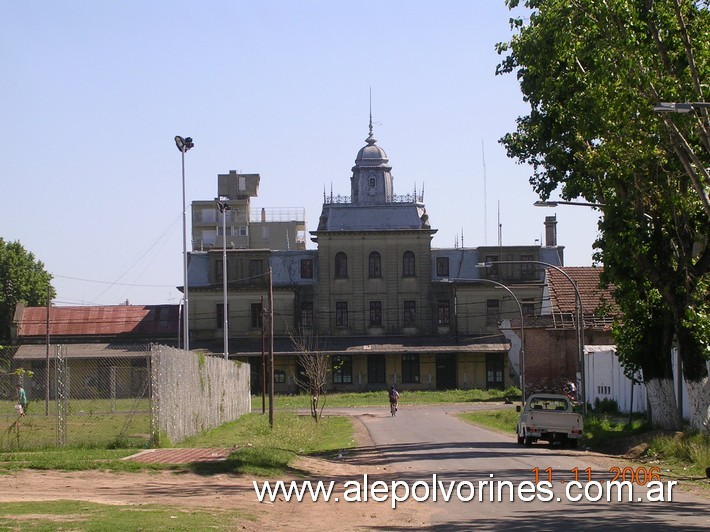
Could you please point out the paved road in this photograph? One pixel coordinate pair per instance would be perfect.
(425, 440)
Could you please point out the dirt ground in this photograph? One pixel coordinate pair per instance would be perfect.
(231, 492)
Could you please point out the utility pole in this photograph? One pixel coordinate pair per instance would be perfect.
(46, 373)
(271, 350)
(263, 359)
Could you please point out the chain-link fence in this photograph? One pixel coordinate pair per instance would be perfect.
(116, 395)
(193, 392)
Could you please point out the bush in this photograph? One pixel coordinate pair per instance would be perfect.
(606, 406)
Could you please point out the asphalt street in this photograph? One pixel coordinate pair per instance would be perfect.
(422, 441)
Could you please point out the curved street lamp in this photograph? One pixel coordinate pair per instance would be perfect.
(579, 321)
(522, 325)
(184, 144)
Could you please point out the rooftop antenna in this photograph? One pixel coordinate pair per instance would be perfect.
(462, 238)
(500, 229)
(485, 198)
(370, 136)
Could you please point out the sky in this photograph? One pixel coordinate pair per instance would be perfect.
(94, 92)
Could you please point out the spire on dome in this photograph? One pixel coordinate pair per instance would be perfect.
(370, 139)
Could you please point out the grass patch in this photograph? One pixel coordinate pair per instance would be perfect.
(600, 430)
(37, 431)
(260, 450)
(74, 459)
(505, 419)
(381, 398)
(79, 515)
(685, 453)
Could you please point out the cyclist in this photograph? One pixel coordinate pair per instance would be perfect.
(394, 399)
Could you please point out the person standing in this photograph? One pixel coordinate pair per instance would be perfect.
(21, 399)
(394, 399)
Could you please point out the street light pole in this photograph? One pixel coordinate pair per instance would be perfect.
(555, 203)
(579, 321)
(184, 144)
(522, 326)
(223, 208)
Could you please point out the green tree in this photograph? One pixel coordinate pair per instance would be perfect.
(592, 72)
(22, 278)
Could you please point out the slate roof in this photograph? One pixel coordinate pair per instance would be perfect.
(596, 301)
(355, 217)
(115, 320)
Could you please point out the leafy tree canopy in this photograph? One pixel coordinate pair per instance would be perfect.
(592, 73)
(22, 278)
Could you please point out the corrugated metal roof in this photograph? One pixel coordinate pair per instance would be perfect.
(135, 320)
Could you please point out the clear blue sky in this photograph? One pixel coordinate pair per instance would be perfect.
(93, 93)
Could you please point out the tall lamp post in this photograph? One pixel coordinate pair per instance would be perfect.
(223, 208)
(183, 145)
(522, 325)
(579, 321)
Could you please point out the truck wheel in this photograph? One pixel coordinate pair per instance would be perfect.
(520, 438)
(528, 441)
(572, 442)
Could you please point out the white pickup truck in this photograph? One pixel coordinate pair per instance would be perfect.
(549, 417)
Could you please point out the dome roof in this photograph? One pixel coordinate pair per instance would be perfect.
(371, 155)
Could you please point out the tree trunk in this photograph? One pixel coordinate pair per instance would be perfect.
(695, 373)
(664, 410)
(699, 404)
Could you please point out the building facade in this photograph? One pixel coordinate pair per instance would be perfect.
(374, 295)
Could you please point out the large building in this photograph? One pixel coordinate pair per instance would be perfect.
(374, 295)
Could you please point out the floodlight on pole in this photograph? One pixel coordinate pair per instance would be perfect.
(223, 208)
(183, 145)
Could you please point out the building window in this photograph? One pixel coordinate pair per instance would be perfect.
(220, 315)
(219, 270)
(256, 315)
(494, 371)
(492, 312)
(442, 266)
(279, 376)
(306, 268)
(341, 313)
(493, 268)
(342, 369)
(256, 267)
(444, 313)
(375, 313)
(527, 270)
(375, 264)
(410, 313)
(528, 307)
(408, 269)
(307, 314)
(376, 369)
(372, 182)
(341, 265)
(410, 367)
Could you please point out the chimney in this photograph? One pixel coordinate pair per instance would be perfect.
(263, 215)
(550, 231)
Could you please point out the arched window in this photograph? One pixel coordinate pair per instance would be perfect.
(341, 265)
(408, 269)
(375, 264)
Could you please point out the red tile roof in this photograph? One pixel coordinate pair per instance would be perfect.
(596, 301)
(115, 320)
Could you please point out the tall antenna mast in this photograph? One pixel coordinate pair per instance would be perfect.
(485, 198)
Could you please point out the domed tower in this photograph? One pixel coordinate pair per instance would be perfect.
(371, 183)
